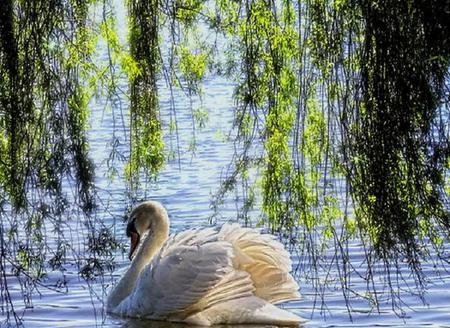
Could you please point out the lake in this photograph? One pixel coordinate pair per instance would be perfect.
(185, 186)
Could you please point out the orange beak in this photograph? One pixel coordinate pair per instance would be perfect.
(134, 244)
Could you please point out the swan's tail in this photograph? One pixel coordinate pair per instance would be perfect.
(248, 310)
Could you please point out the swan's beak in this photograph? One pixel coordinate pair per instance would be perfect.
(134, 243)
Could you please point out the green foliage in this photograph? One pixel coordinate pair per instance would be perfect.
(314, 134)
(47, 79)
(192, 67)
(36, 106)
(186, 11)
(396, 172)
(119, 54)
(147, 145)
(329, 89)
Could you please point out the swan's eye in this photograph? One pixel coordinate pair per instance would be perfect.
(131, 228)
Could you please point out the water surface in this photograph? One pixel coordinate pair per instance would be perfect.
(184, 187)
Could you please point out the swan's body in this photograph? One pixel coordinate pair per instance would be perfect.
(203, 276)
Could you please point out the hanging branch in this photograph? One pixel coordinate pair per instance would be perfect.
(399, 148)
(146, 140)
(46, 174)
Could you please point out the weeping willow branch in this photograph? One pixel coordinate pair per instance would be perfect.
(400, 147)
(46, 174)
(370, 129)
(37, 108)
(341, 124)
(146, 135)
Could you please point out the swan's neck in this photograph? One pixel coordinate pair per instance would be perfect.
(149, 247)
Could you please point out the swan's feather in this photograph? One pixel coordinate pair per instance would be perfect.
(182, 277)
(265, 259)
(245, 310)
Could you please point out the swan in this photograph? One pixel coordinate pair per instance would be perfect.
(203, 276)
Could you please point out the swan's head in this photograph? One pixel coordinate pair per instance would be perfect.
(147, 217)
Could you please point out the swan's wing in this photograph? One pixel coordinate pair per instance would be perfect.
(185, 271)
(192, 237)
(265, 259)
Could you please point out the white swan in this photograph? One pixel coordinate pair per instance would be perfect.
(203, 276)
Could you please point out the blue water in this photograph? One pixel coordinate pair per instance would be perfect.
(185, 186)
(186, 194)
